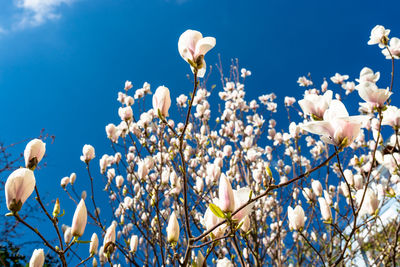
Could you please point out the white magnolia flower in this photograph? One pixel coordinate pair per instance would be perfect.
(19, 186)
(34, 153)
(370, 203)
(371, 94)
(173, 228)
(316, 105)
(296, 217)
(394, 48)
(379, 35)
(37, 259)
(192, 48)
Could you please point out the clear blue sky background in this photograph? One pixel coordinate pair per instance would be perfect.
(63, 73)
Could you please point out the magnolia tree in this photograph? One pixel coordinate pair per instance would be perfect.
(226, 186)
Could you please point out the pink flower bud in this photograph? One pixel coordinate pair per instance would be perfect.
(88, 153)
(79, 220)
(317, 187)
(226, 198)
(296, 217)
(94, 244)
(109, 238)
(133, 243)
(161, 101)
(19, 186)
(325, 209)
(173, 228)
(37, 259)
(34, 152)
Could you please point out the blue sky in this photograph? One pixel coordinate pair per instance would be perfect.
(61, 65)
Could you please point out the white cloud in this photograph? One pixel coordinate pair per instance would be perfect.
(37, 12)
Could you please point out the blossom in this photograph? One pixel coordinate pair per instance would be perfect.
(317, 187)
(162, 100)
(34, 152)
(394, 48)
(338, 78)
(109, 238)
(94, 244)
(337, 128)
(296, 217)
(379, 35)
(303, 81)
(128, 85)
(88, 153)
(370, 203)
(367, 75)
(224, 263)
(37, 259)
(316, 105)
(133, 243)
(173, 228)
(125, 113)
(241, 197)
(210, 220)
(79, 220)
(370, 93)
(325, 209)
(391, 117)
(19, 186)
(192, 48)
(226, 198)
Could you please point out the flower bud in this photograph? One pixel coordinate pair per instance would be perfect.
(94, 262)
(19, 186)
(56, 209)
(161, 100)
(133, 243)
(325, 209)
(37, 259)
(88, 153)
(317, 187)
(64, 182)
(296, 217)
(34, 152)
(109, 238)
(94, 243)
(72, 178)
(173, 228)
(67, 235)
(79, 220)
(226, 198)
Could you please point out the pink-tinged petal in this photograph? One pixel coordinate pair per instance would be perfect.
(187, 43)
(242, 197)
(336, 110)
(204, 45)
(201, 72)
(306, 106)
(319, 127)
(226, 197)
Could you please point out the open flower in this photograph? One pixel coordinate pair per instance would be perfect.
(192, 48)
(394, 48)
(367, 75)
(370, 93)
(379, 35)
(391, 117)
(87, 153)
(19, 186)
(337, 128)
(316, 105)
(34, 152)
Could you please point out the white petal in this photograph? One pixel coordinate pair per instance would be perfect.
(204, 45)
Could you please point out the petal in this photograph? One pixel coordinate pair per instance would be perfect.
(204, 45)
(336, 110)
(319, 127)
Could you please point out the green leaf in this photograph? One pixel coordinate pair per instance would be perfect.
(217, 211)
